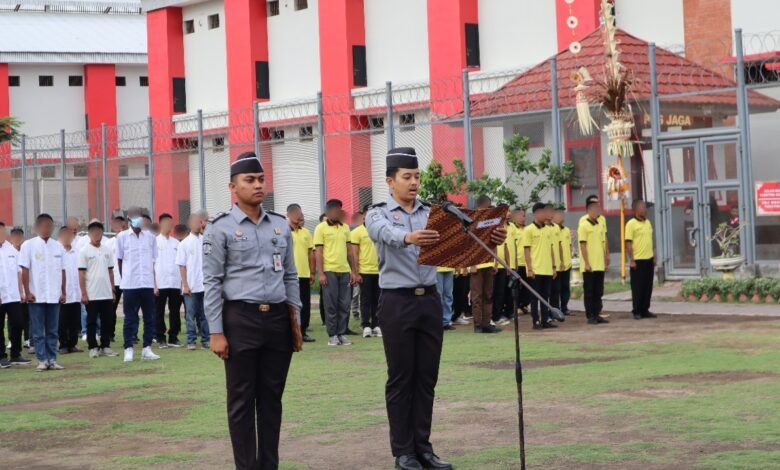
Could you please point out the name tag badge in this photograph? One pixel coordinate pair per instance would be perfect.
(277, 262)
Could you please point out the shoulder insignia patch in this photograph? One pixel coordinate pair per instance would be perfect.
(218, 216)
(424, 203)
(380, 204)
(277, 214)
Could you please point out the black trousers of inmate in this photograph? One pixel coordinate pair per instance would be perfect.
(13, 311)
(173, 298)
(413, 331)
(260, 350)
(305, 286)
(369, 300)
(70, 325)
(642, 285)
(593, 290)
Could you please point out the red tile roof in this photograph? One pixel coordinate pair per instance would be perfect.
(530, 91)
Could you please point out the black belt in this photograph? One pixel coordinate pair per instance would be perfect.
(418, 291)
(257, 307)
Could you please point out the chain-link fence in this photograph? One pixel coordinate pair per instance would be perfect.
(323, 147)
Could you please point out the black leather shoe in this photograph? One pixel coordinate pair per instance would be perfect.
(637, 316)
(592, 321)
(432, 461)
(477, 329)
(649, 315)
(549, 324)
(491, 329)
(537, 325)
(449, 328)
(308, 339)
(602, 320)
(408, 462)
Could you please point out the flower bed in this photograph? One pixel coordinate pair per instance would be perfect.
(757, 290)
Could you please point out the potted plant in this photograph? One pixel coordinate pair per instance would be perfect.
(727, 239)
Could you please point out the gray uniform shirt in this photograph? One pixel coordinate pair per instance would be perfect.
(387, 225)
(238, 263)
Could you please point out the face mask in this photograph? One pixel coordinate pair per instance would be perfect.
(136, 222)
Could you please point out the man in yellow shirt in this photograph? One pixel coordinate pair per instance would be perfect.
(365, 270)
(522, 299)
(335, 275)
(639, 246)
(541, 273)
(593, 261)
(561, 300)
(303, 252)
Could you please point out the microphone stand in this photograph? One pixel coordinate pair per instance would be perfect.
(556, 313)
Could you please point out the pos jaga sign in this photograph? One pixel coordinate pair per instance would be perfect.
(768, 198)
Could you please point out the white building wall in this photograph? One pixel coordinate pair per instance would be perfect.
(296, 174)
(132, 100)
(396, 41)
(756, 17)
(659, 21)
(515, 33)
(205, 65)
(294, 52)
(46, 110)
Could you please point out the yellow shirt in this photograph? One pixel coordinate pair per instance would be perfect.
(333, 239)
(555, 239)
(565, 236)
(594, 237)
(519, 246)
(537, 238)
(368, 262)
(302, 246)
(443, 269)
(640, 234)
(512, 233)
(602, 223)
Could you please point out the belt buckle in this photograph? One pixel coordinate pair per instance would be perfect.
(419, 291)
(264, 308)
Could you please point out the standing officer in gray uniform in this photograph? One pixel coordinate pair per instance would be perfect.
(409, 312)
(250, 279)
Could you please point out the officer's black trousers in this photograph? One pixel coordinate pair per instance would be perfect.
(260, 350)
(593, 290)
(642, 285)
(413, 331)
(304, 283)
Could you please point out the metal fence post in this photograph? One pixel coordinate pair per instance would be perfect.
(556, 123)
(467, 150)
(104, 154)
(655, 129)
(390, 124)
(321, 152)
(747, 212)
(150, 157)
(256, 127)
(24, 183)
(36, 185)
(64, 189)
(201, 162)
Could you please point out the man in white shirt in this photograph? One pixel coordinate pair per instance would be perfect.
(96, 279)
(11, 292)
(16, 239)
(70, 310)
(43, 278)
(190, 261)
(166, 272)
(136, 251)
(118, 225)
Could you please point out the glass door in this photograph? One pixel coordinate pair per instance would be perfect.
(684, 236)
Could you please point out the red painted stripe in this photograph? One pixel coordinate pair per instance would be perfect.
(6, 182)
(100, 108)
(586, 13)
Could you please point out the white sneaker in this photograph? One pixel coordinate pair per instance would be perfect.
(378, 332)
(367, 332)
(129, 355)
(84, 338)
(460, 321)
(55, 366)
(148, 355)
(333, 341)
(42, 366)
(344, 341)
(107, 352)
(94, 353)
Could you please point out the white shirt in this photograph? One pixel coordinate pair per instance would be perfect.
(79, 241)
(190, 256)
(111, 244)
(44, 261)
(166, 270)
(137, 253)
(9, 274)
(97, 261)
(70, 262)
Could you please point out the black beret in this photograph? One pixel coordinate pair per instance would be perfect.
(402, 157)
(247, 162)
(539, 206)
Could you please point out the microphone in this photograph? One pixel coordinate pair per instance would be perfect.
(453, 210)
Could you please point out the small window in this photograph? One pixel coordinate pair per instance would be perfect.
(45, 80)
(80, 171)
(218, 144)
(75, 80)
(121, 81)
(277, 136)
(13, 80)
(273, 8)
(472, 45)
(407, 122)
(49, 171)
(301, 4)
(214, 21)
(146, 169)
(189, 26)
(192, 143)
(124, 171)
(306, 133)
(533, 130)
(143, 81)
(377, 125)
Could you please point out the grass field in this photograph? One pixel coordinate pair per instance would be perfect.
(677, 392)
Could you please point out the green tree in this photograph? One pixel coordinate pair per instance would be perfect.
(436, 185)
(9, 129)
